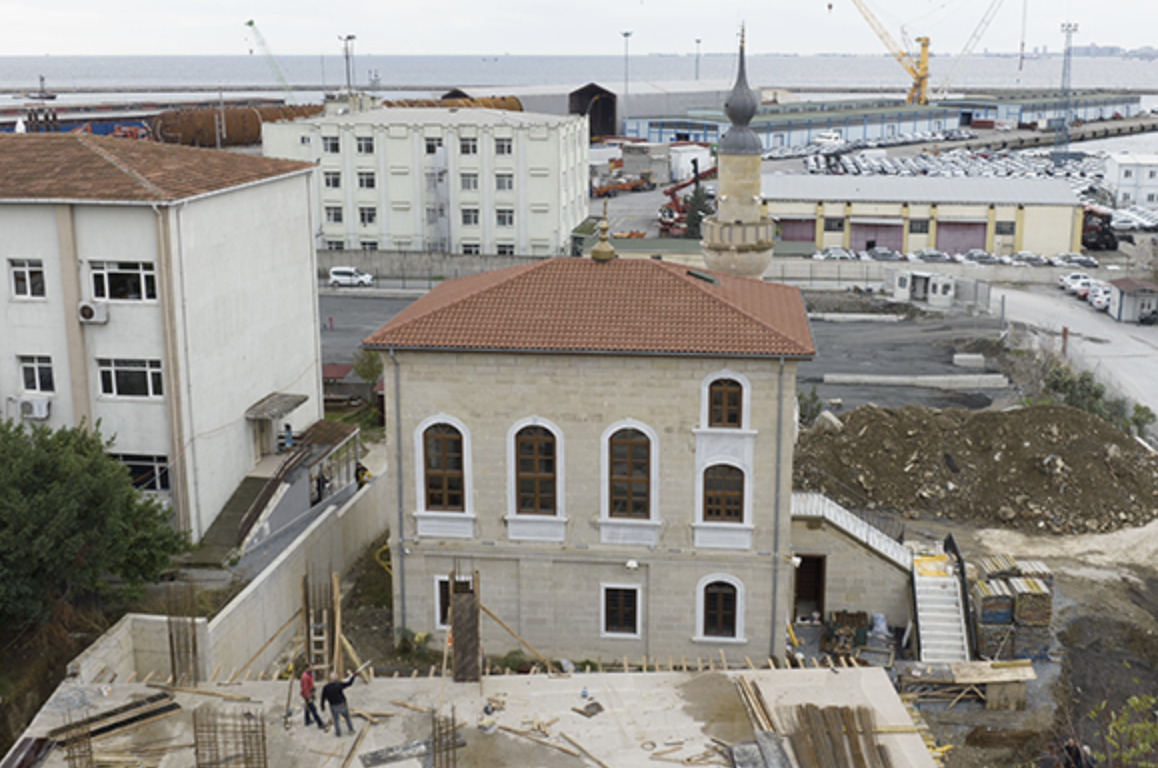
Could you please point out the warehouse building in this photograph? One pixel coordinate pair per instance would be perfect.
(453, 180)
(1000, 215)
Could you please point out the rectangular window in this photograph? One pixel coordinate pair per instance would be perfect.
(433, 145)
(470, 217)
(621, 611)
(505, 217)
(365, 145)
(1005, 228)
(442, 599)
(505, 249)
(332, 179)
(504, 147)
(365, 179)
(131, 378)
(1154, 174)
(467, 146)
(469, 182)
(368, 216)
(27, 277)
(369, 245)
(471, 249)
(1150, 197)
(331, 145)
(918, 226)
(335, 245)
(504, 182)
(37, 374)
(834, 224)
(432, 215)
(124, 280)
(1126, 174)
(333, 214)
(304, 139)
(149, 473)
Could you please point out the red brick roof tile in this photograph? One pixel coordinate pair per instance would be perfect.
(626, 306)
(76, 166)
(336, 371)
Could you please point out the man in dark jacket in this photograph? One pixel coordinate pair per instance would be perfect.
(333, 694)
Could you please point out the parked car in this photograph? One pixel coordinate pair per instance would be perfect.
(1081, 260)
(1080, 288)
(1063, 281)
(833, 253)
(1149, 319)
(932, 255)
(349, 276)
(980, 256)
(1030, 258)
(882, 253)
(1101, 301)
(1098, 289)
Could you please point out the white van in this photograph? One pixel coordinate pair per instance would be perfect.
(340, 276)
(827, 138)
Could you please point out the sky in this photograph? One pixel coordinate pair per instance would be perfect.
(541, 27)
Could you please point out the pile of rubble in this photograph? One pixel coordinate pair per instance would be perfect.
(1045, 468)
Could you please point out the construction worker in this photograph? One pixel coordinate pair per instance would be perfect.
(334, 695)
(308, 698)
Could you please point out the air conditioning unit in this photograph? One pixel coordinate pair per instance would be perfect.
(93, 312)
(35, 408)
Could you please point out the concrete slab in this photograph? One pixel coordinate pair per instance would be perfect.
(642, 713)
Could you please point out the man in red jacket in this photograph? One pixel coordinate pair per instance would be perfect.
(308, 697)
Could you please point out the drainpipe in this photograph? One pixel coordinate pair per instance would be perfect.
(776, 530)
(401, 564)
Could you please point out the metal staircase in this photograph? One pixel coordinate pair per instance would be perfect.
(942, 633)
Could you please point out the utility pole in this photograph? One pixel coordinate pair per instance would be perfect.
(348, 49)
(697, 58)
(1061, 139)
(626, 38)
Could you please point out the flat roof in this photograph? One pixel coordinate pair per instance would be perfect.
(908, 189)
(1129, 158)
(443, 116)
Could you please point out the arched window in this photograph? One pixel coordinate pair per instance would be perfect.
(444, 468)
(723, 494)
(630, 475)
(535, 471)
(726, 404)
(720, 609)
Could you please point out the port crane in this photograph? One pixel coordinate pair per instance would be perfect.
(971, 43)
(918, 70)
(271, 62)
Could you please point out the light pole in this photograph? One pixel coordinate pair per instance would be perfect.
(348, 48)
(626, 38)
(697, 58)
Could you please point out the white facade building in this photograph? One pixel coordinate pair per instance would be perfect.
(1133, 179)
(458, 180)
(161, 292)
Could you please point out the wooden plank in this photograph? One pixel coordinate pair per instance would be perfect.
(410, 706)
(365, 673)
(200, 692)
(261, 650)
(354, 749)
(537, 740)
(980, 672)
(514, 634)
(586, 754)
(335, 585)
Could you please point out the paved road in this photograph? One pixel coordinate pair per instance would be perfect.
(355, 314)
(1124, 356)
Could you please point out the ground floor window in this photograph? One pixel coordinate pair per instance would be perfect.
(719, 610)
(621, 610)
(149, 473)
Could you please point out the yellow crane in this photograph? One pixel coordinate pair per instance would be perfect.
(918, 70)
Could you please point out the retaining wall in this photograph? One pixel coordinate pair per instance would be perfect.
(417, 265)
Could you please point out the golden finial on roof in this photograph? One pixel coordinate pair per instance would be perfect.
(603, 250)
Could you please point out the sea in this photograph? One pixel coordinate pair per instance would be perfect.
(139, 78)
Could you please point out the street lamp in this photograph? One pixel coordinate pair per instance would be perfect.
(348, 48)
(626, 38)
(697, 58)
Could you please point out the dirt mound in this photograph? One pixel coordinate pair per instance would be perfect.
(856, 302)
(1050, 468)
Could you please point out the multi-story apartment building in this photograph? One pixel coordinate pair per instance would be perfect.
(455, 180)
(1133, 179)
(168, 295)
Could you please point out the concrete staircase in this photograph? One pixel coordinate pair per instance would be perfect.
(940, 613)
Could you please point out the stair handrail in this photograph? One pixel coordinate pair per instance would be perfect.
(300, 452)
(954, 551)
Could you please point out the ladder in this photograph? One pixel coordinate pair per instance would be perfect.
(940, 613)
(319, 642)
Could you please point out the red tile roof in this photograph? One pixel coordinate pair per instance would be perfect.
(76, 166)
(626, 306)
(336, 371)
(1130, 285)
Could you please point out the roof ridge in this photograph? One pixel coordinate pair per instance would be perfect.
(148, 185)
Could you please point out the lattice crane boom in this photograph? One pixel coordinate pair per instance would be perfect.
(918, 70)
(271, 62)
(970, 44)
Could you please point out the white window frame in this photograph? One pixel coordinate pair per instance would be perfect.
(745, 400)
(718, 534)
(504, 146)
(35, 364)
(504, 217)
(332, 179)
(160, 482)
(27, 267)
(603, 631)
(101, 271)
(367, 180)
(470, 217)
(536, 527)
(364, 145)
(368, 245)
(333, 214)
(152, 368)
(471, 249)
(505, 249)
(504, 182)
(367, 215)
(433, 144)
(439, 523)
(335, 245)
(468, 145)
(439, 580)
(698, 636)
(617, 530)
(469, 182)
(331, 145)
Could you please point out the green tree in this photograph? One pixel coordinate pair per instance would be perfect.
(1129, 735)
(368, 365)
(698, 208)
(72, 523)
(810, 407)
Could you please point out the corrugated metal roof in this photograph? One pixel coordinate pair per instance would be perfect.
(917, 189)
(441, 117)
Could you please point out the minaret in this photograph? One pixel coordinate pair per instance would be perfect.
(738, 239)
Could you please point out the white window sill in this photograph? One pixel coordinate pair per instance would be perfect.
(720, 431)
(723, 535)
(619, 635)
(536, 527)
(714, 640)
(643, 533)
(445, 525)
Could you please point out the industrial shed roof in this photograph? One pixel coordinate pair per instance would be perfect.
(917, 189)
(444, 116)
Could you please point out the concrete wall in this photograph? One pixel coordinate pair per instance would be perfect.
(856, 579)
(137, 644)
(417, 265)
